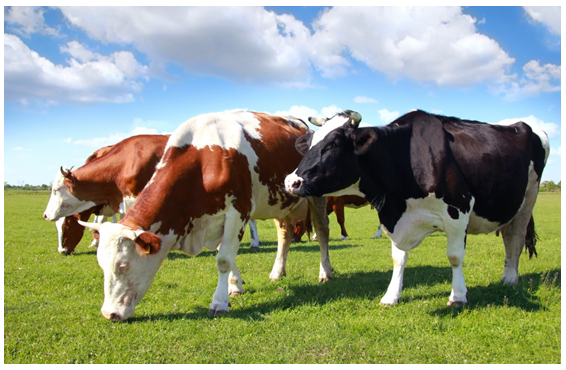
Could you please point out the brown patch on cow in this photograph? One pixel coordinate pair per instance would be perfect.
(274, 165)
(148, 243)
(123, 170)
(192, 183)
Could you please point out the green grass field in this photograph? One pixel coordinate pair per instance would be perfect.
(52, 302)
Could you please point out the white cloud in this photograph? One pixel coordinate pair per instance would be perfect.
(549, 16)
(556, 152)
(243, 43)
(93, 77)
(387, 116)
(365, 100)
(437, 45)
(26, 20)
(536, 80)
(19, 149)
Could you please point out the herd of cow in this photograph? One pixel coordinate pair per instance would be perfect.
(201, 186)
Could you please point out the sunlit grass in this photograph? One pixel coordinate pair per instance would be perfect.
(52, 302)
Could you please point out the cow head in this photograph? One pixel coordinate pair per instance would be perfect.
(62, 202)
(130, 259)
(330, 164)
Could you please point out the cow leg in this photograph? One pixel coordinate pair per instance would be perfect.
(284, 237)
(59, 226)
(253, 234)
(339, 211)
(226, 264)
(378, 232)
(319, 216)
(514, 239)
(393, 294)
(456, 249)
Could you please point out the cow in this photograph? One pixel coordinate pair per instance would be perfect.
(127, 169)
(337, 204)
(424, 173)
(69, 232)
(219, 170)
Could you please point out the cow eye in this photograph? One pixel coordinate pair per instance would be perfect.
(123, 266)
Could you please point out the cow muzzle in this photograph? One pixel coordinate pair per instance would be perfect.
(113, 316)
(294, 184)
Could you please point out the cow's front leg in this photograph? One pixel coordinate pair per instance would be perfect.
(393, 294)
(455, 251)
(317, 206)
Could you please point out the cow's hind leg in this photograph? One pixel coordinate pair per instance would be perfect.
(519, 231)
(456, 249)
(226, 264)
(284, 237)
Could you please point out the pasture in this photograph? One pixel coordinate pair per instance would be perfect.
(52, 302)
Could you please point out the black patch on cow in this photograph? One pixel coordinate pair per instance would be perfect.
(453, 212)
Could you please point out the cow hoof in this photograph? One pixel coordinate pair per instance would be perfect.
(457, 304)
(324, 279)
(235, 293)
(217, 313)
(254, 247)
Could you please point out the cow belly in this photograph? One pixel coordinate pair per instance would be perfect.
(207, 232)
(480, 225)
(423, 217)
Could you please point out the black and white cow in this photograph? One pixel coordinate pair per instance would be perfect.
(424, 173)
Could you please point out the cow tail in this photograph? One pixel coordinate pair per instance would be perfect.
(308, 224)
(531, 239)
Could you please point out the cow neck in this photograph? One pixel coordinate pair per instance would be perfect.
(97, 181)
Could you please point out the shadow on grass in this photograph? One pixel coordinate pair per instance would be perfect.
(372, 286)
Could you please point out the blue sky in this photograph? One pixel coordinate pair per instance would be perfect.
(79, 78)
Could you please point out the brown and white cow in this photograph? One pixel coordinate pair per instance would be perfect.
(69, 231)
(218, 171)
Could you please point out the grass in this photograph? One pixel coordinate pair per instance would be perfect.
(52, 302)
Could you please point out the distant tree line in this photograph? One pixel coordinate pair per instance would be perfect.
(550, 186)
(26, 187)
(545, 186)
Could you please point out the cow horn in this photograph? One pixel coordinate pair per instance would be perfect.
(128, 233)
(355, 116)
(318, 121)
(66, 172)
(90, 225)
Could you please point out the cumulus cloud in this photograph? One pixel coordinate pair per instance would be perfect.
(242, 43)
(536, 79)
(549, 16)
(87, 77)
(436, 45)
(26, 20)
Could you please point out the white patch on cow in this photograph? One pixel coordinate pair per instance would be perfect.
(59, 226)
(353, 189)
(422, 218)
(330, 125)
(62, 203)
(223, 129)
(126, 204)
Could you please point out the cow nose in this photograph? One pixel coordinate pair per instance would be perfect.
(293, 183)
(112, 316)
(45, 217)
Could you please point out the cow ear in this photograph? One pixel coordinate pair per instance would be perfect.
(148, 243)
(303, 143)
(363, 139)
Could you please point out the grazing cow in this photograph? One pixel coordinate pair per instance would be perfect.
(424, 173)
(219, 170)
(69, 231)
(337, 204)
(118, 178)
